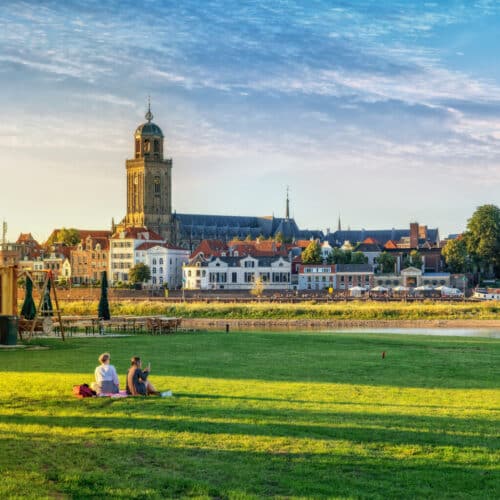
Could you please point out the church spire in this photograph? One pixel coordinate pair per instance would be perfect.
(287, 213)
(339, 226)
(149, 116)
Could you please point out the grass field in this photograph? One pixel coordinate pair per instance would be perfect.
(256, 415)
(357, 310)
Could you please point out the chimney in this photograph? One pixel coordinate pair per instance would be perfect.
(413, 234)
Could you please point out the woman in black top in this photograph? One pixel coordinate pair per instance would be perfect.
(137, 382)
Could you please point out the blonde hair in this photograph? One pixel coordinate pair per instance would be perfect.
(104, 357)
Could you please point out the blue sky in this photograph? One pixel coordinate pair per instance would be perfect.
(382, 112)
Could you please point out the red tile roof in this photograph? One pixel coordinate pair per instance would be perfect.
(210, 248)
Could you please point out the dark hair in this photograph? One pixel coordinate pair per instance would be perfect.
(135, 360)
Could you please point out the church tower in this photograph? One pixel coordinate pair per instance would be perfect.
(149, 181)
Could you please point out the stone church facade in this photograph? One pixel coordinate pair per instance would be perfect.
(149, 201)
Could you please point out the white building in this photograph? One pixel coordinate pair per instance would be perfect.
(237, 273)
(316, 276)
(122, 251)
(165, 262)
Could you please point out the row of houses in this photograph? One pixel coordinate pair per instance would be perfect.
(233, 265)
(98, 251)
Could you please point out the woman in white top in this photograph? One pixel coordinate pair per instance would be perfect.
(106, 378)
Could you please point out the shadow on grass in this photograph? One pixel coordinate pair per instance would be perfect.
(362, 428)
(134, 469)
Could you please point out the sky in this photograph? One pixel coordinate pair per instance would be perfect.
(380, 112)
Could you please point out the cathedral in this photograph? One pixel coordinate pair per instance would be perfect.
(149, 201)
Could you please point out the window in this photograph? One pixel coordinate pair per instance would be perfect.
(249, 277)
(154, 270)
(160, 261)
(154, 262)
(156, 182)
(156, 146)
(147, 146)
(249, 263)
(160, 270)
(234, 277)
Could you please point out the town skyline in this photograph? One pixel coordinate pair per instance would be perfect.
(381, 114)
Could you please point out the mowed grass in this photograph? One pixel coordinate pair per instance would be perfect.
(256, 415)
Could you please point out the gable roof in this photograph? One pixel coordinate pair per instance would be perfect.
(150, 244)
(137, 233)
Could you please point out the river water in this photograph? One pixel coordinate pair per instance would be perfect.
(491, 333)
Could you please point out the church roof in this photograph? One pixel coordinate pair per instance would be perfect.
(149, 128)
(226, 227)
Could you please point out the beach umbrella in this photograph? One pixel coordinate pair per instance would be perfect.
(28, 311)
(103, 308)
(47, 309)
(400, 288)
(380, 289)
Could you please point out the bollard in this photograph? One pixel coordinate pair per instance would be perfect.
(227, 328)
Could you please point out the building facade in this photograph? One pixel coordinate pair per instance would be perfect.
(237, 273)
(165, 262)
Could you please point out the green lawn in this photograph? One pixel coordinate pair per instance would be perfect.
(255, 415)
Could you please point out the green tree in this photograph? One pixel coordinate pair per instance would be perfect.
(68, 236)
(312, 254)
(359, 258)
(455, 255)
(414, 259)
(279, 238)
(483, 238)
(338, 256)
(386, 262)
(140, 273)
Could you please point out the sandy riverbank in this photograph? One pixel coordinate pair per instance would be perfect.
(220, 324)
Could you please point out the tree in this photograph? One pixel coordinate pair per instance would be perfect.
(413, 260)
(455, 255)
(483, 237)
(338, 256)
(386, 262)
(69, 237)
(312, 254)
(359, 258)
(140, 273)
(279, 238)
(249, 237)
(258, 287)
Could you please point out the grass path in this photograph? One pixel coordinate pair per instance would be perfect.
(257, 415)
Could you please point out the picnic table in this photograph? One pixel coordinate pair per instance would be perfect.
(122, 324)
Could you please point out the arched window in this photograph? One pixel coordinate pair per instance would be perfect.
(156, 146)
(147, 146)
(137, 147)
(154, 262)
(157, 184)
(161, 261)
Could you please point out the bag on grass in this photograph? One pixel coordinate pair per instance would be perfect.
(83, 391)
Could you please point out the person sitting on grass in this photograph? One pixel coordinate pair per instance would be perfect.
(106, 378)
(137, 380)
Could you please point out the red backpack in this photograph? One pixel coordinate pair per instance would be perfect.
(83, 391)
